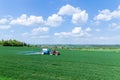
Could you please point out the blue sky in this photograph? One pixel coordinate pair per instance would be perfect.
(61, 21)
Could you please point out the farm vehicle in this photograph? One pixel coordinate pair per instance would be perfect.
(50, 52)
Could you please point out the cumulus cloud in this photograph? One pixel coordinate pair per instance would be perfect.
(104, 15)
(76, 32)
(40, 30)
(78, 16)
(88, 29)
(63, 34)
(107, 15)
(114, 26)
(54, 20)
(36, 31)
(27, 20)
(3, 21)
(5, 26)
(68, 10)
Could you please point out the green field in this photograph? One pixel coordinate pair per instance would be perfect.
(70, 65)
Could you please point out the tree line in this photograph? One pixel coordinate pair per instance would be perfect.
(12, 43)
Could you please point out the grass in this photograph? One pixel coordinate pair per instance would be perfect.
(70, 65)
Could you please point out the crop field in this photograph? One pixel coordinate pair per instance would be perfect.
(70, 65)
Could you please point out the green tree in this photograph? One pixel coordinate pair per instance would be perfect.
(12, 43)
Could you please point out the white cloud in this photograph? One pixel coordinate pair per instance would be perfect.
(40, 30)
(54, 20)
(3, 21)
(116, 14)
(76, 32)
(114, 26)
(119, 7)
(88, 29)
(104, 15)
(63, 34)
(79, 18)
(36, 32)
(5, 26)
(27, 21)
(107, 15)
(41, 37)
(68, 10)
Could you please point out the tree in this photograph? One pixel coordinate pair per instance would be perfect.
(12, 43)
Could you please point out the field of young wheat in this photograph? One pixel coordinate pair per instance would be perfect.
(70, 65)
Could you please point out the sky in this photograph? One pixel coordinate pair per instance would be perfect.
(60, 21)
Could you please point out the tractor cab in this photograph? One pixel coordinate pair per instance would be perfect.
(45, 51)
